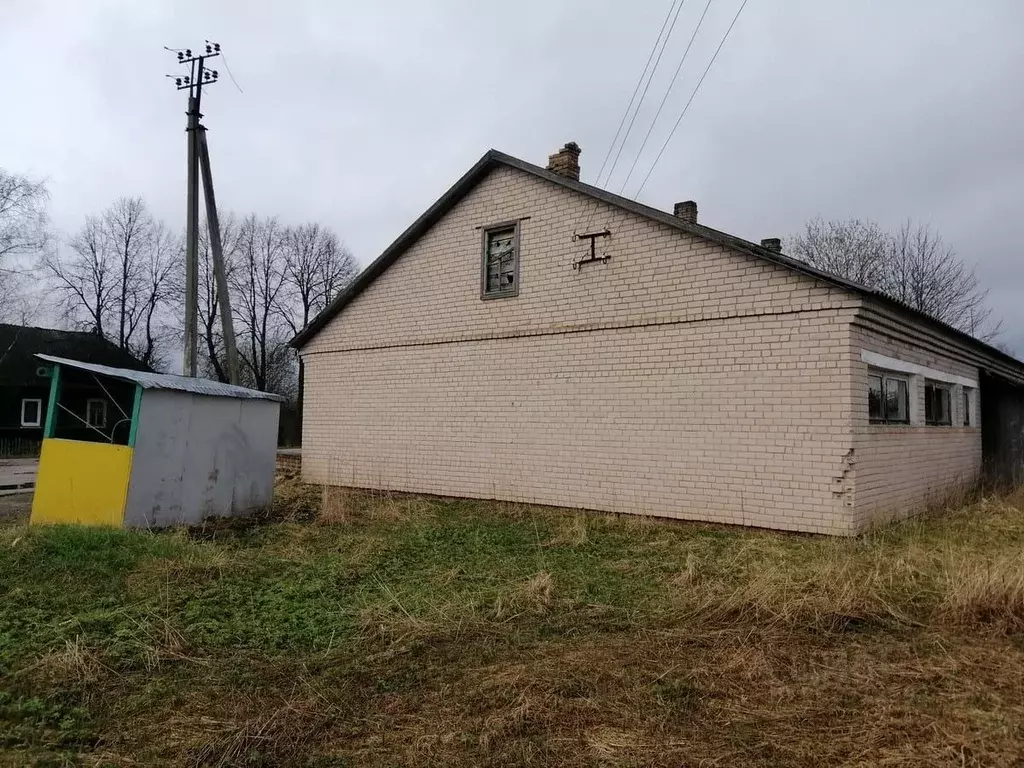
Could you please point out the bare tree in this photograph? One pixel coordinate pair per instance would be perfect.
(855, 250)
(20, 303)
(924, 273)
(279, 278)
(24, 233)
(213, 356)
(913, 265)
(84, 281)
(317, 267)
(24, 228)
(117, 276)
(259, 280)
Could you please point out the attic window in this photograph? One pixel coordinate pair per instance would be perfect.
(500, 261)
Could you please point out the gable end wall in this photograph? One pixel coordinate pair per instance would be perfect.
(678, 379)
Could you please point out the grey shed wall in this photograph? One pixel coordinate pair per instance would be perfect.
(198, 456)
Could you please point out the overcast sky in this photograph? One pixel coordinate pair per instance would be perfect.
(359, 115)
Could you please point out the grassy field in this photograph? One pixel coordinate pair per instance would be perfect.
(426, 632)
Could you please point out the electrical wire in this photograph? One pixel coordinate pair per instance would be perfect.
(636, 90)
(595, 206)
(644, 94)
(672, 82)
(690, 101)
(225, 60)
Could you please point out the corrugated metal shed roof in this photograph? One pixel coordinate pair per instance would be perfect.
(167, 381)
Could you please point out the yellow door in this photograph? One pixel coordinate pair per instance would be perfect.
(80, 482)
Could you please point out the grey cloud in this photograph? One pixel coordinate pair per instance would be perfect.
(360, 114)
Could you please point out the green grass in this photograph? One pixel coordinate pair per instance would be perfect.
(433, 632)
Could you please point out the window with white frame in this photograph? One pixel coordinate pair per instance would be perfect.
(96, 413)
(938, 410)
(888, 398)
(31, 412)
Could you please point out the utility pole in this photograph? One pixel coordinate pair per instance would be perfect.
(199, 155)
(219, 270)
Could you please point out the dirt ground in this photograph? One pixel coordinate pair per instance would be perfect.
(15, 506)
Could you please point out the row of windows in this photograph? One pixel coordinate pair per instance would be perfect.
(889, 401)
(32, 412)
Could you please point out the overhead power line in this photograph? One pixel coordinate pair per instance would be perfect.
(225, 60)
(643, 95)
(664, 99)
(690, 101)
(636, 90)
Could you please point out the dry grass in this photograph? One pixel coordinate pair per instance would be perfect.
(988, 594)
(408, 631)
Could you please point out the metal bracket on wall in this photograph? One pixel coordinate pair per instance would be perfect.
(592, 256)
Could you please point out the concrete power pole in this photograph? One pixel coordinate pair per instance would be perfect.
(216, 249)
(199, 155)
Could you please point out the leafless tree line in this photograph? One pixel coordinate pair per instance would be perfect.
(122, 276)
(279, 278)
(113, 277)
(912, 265)
(24, 233)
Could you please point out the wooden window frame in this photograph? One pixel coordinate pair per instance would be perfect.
(88, 407)
(932, 421)
(885, 377)
(39, 412)
(486, 236)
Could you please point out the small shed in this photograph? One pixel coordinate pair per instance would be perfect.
(136, 449)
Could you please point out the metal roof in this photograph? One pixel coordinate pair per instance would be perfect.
(167, 381)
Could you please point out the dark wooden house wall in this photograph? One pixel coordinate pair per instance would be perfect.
(1002, 430)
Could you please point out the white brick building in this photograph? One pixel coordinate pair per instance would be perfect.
(689, 374)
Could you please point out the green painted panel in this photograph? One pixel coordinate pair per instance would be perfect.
(136, 408)
(51, 407)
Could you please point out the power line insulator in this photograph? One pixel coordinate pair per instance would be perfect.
(216, 47)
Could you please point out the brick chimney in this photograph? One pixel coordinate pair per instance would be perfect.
(772, 244)
(686, 210)
(566, 161)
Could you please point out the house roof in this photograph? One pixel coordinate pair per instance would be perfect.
(149, 380)
(495, 159)
(19, 345)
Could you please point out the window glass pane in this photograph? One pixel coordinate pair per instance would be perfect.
(30, 413)
(96, 413)
(967, 407)
(937, 404)
(875, 411)
(501, 260)
(896, 406)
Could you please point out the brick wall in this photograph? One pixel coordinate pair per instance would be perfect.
(656, 275)
(731, 420)
(901, 468)
(678, 379)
